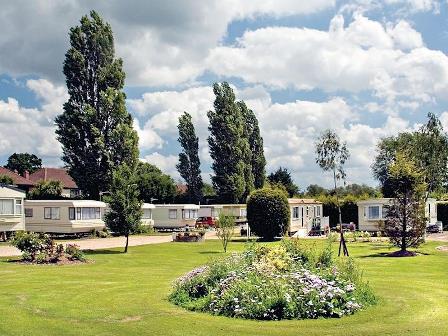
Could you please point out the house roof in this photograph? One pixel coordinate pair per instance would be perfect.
(303, 201)
(54, 174)
(16, 178)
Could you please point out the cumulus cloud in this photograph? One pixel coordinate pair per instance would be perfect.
(162, 42)
(389, 60)
(166, 163)
(32, 129)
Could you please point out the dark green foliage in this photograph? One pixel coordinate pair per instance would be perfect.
(5, 179)
(46, 190)
(227, 142)
(427, 147)
(153, 184)
(349, 212)
(22, 162)
(283, 177)
(442, 214)
(208, 190)
(189, 163)
(125, 212)
(405, 220)
(268, 213)
(95, 129)
(255, 153)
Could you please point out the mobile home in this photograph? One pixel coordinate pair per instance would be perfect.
(372, 213)
(11, 209)
(175, 216)
(306, 216)
(64, 216)
(147, 219)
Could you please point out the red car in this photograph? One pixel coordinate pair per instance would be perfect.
(205, 222)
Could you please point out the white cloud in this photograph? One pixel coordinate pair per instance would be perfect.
(166, 163)
(364, 56)
(161, 42)
(32, 129)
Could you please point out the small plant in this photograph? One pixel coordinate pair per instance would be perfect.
(74, 253)
(30, 244)
(225, 228)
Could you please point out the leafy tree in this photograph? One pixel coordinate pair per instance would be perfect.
(314, 190)
(283, 176)
(225, 229)
(427, 147)
(331, 155)
(268, 213)
(154, 186)
(46, 190)
(405, 220)
(208, 190)
(227, 142)
(255, 152)
(189, 163)
(22, 162)
(125, 212)
(95, 129)
(5, 179)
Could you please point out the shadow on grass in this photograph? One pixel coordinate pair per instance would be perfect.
(390, 255)
(211, 252)
(99, 252)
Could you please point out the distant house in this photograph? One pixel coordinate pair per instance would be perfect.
(69, 187)
(11, 209)
(64, 216)
(373, 212)
(21, 182)
(306, 216)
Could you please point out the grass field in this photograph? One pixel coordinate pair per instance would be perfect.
(126, 294)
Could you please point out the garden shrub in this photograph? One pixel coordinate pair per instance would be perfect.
(268, 213)
(285, 281)
(74, 253)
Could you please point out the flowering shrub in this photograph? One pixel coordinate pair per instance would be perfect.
(285, 281)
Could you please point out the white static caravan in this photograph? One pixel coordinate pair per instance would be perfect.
(175, 216)
(11, 208)
(147, 219)
(238, 211)
(210, 210)
(306, 215)
(64, 216)
(373, 211)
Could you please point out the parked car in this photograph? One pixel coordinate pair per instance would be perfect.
(433, 228)
(205, 222)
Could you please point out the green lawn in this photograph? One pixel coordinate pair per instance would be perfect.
(122, 294)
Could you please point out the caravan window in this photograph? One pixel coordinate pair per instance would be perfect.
(189, 213)
(374, 212)
(51, 213)
(28, 212)
(318, 211)
(147, 214)
(71, 213)
(295, 212)
(172, 213)
(6, 207)
(18, 206)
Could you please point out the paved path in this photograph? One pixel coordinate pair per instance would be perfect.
(98, 244)
(442, 237)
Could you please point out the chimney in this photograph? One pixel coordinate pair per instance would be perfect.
(26, 174)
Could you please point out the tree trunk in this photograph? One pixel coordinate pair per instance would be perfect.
(127, 244)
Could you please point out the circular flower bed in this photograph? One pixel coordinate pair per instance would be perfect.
(273, 283)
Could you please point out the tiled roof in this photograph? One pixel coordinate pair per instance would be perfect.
(16, 178)
(54, 174)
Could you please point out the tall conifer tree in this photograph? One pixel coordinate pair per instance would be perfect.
(226, 142)
(189, 163)
(95, 129)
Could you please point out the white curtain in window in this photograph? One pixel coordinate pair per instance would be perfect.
(6, 207)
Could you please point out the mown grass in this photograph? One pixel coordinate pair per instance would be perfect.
(126, 294)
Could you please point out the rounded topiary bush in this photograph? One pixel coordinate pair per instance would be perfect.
(268, 213)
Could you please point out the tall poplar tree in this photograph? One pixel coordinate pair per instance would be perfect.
(255, 141)
(189, 163)
(95, 129)
(226, 142)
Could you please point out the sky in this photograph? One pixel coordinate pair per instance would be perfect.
(364, 68)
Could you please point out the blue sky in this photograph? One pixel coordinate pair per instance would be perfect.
(368, 69)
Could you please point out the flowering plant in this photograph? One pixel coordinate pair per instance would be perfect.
(285, 281)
